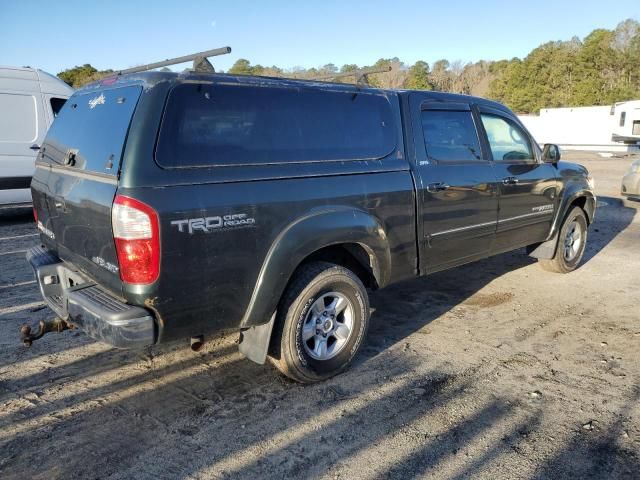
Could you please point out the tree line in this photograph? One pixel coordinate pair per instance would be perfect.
(601, 69)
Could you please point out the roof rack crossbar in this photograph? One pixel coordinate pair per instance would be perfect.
(360, 75)
(198, 59)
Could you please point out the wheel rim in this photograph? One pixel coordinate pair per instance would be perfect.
(573, 241)
(328, 326)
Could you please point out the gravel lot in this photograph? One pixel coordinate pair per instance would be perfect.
(492, 370)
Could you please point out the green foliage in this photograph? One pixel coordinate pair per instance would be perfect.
(348, 68)
(602, 69)
(79, 76)
(418, 78)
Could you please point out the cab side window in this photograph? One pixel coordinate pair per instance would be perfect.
(508, 142)
(450, 136)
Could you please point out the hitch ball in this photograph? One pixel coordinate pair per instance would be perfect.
(25, 335)
(197, 342)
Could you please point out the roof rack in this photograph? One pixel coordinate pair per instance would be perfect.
(361, 75)
(200, 62)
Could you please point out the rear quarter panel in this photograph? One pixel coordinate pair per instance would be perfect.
(207, 279)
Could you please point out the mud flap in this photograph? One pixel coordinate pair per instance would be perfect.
(254, 341)
(545, 250)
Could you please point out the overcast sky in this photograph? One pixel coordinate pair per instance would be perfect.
(55, 35)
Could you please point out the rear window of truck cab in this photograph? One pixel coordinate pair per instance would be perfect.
(215, 125)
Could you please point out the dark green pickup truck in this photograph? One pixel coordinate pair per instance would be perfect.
(176, 205)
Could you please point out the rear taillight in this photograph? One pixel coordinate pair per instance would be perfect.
(35, 215)
(137, 238)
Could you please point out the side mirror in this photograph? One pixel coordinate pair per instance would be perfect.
(550, 153)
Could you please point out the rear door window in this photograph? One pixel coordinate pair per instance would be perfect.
(215, 125)
(450, 136)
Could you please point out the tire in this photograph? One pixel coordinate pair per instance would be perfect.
(570, 248)
(301, 327)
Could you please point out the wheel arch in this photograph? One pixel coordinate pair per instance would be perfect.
(586, 201)
(345, 236)
(357, 257)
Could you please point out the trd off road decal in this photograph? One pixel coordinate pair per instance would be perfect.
(211, 224)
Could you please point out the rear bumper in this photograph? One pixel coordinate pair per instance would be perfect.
(84, 304)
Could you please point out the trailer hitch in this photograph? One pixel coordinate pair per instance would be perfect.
(44, 326)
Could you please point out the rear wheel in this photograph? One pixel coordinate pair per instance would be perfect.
(571, 243)
(321, 323)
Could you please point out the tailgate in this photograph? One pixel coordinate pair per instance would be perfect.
(77, 176)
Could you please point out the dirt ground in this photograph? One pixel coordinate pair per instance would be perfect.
(492, 370)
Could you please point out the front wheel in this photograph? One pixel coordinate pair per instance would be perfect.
(321, 323)
(572, 242)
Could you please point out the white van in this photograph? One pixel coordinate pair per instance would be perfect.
(29, 101)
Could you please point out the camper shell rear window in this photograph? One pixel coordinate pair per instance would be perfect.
(222, 125)
(91, 128)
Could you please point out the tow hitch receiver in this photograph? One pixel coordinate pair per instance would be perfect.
(44, 326)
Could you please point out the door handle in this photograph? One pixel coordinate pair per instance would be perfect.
(35, 146)
(437, 187)
(510, 181)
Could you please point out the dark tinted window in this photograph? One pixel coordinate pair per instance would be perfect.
(507, 141)
(56, 105)
(93, 126)
(231, 125)
(450, 136)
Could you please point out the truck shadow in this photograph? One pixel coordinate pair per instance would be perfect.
(175, 414)
(599, 453)
(237, 420)
(216, 414)
(407, 307)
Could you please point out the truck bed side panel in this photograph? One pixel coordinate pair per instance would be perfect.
(207, 278)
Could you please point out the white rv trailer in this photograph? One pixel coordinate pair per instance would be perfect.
(626, 122)
(29, 101)
(600, 128)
